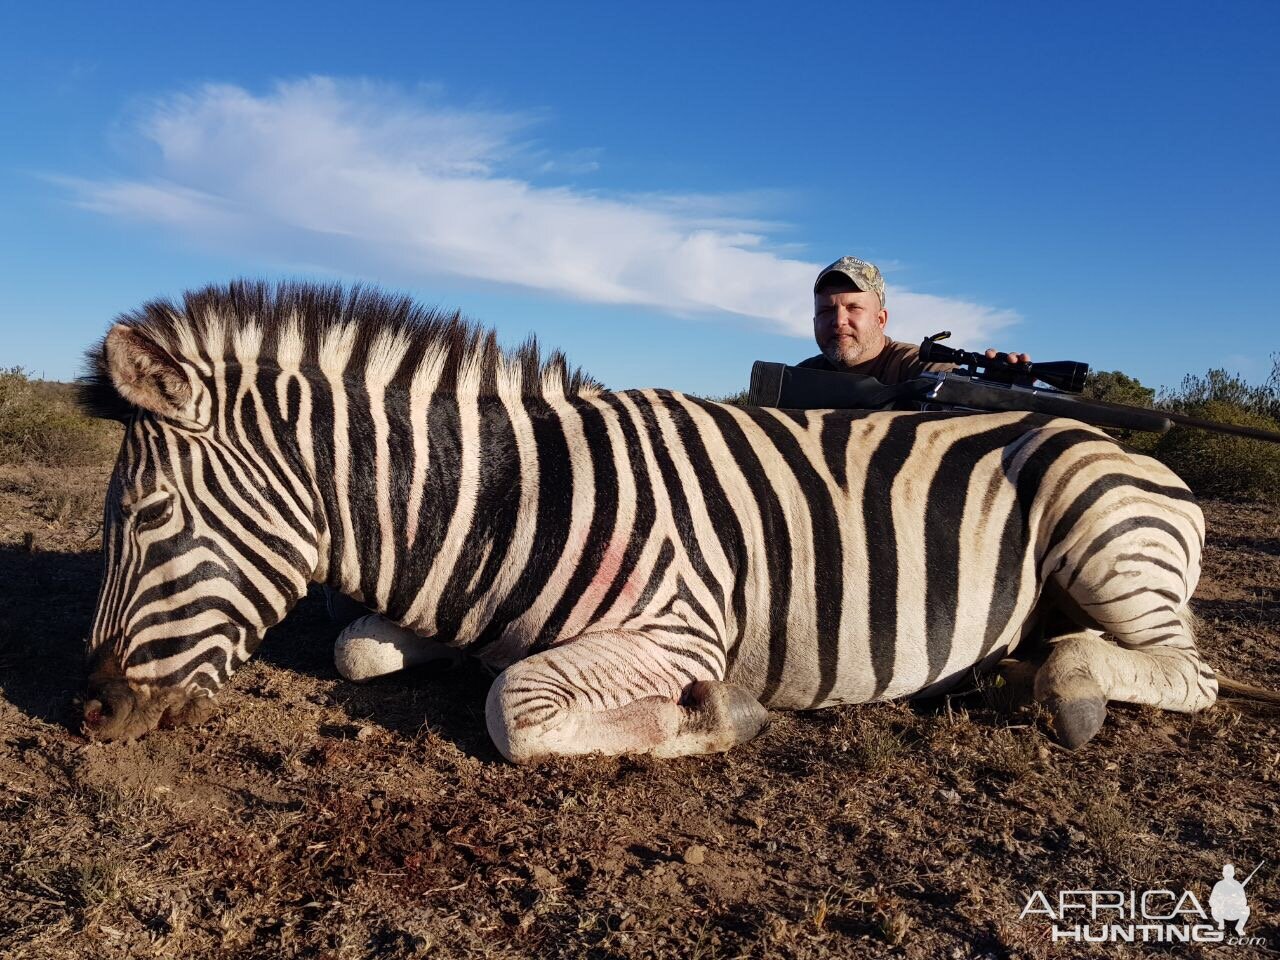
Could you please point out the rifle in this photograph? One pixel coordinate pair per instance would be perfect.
(978, 383)
(1250, 876)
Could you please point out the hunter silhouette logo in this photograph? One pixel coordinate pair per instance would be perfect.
(1148, 916)
(1228, 902)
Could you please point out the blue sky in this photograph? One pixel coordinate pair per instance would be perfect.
(650, 187)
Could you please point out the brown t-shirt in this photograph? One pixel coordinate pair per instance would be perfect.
(895, 363)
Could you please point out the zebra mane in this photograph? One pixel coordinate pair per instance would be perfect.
(360, 332)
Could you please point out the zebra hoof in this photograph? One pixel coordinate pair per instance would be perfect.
(726, 708)
(1075, 721)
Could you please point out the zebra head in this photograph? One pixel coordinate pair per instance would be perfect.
(207, 542)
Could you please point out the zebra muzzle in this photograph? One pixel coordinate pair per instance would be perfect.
(115, 711)
(108, 709)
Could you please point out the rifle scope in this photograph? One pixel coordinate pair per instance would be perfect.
(1068, 375)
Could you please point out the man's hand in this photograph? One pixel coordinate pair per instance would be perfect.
(1014, 358)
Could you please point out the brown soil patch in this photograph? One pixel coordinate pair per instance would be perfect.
(314, 818)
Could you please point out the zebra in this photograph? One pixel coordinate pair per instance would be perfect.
(646, 571)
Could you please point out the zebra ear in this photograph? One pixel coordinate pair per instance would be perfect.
(147, 376)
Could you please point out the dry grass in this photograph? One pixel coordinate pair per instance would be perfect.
(41, 424)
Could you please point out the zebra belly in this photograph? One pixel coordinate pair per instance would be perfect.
(933, 643)
(936, 567)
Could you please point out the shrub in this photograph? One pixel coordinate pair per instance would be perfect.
(40, 423)
(738, 399)
(1212, 464)
(1217, 464)
(1113, 386)
(1228, 388)
(1221, 465)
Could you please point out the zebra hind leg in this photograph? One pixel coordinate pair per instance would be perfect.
(616, 693)
(1127, 572)
(1084, 671)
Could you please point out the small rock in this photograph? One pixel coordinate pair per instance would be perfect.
(542, 878)
(610, 866)
(695, 854)
(364, 733)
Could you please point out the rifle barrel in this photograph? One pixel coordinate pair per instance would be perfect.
(1257, 433)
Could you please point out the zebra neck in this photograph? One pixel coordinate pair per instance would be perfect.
(421, 507)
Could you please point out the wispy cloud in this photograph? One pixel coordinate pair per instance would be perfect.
(355, 176)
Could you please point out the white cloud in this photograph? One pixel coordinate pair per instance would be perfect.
(357, 176)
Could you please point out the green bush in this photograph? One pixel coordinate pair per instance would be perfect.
(1116, 387)
(1218, 464)
(1221, 465)
(1212, 464)
(1218, 386)
(1112, 386)
(40, 423)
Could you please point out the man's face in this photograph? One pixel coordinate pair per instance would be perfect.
(848, 325)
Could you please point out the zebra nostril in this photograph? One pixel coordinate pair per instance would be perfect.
(107, 708)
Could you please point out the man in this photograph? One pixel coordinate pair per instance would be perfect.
(849, 318)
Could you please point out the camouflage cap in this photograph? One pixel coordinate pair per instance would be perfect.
(865, 276)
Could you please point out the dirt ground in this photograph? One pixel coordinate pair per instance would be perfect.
(316, 818)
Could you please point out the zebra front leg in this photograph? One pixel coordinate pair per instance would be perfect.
(373, 646)
(613, 693)
(1084, 671)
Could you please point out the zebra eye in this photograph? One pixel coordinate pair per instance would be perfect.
(153, 514)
